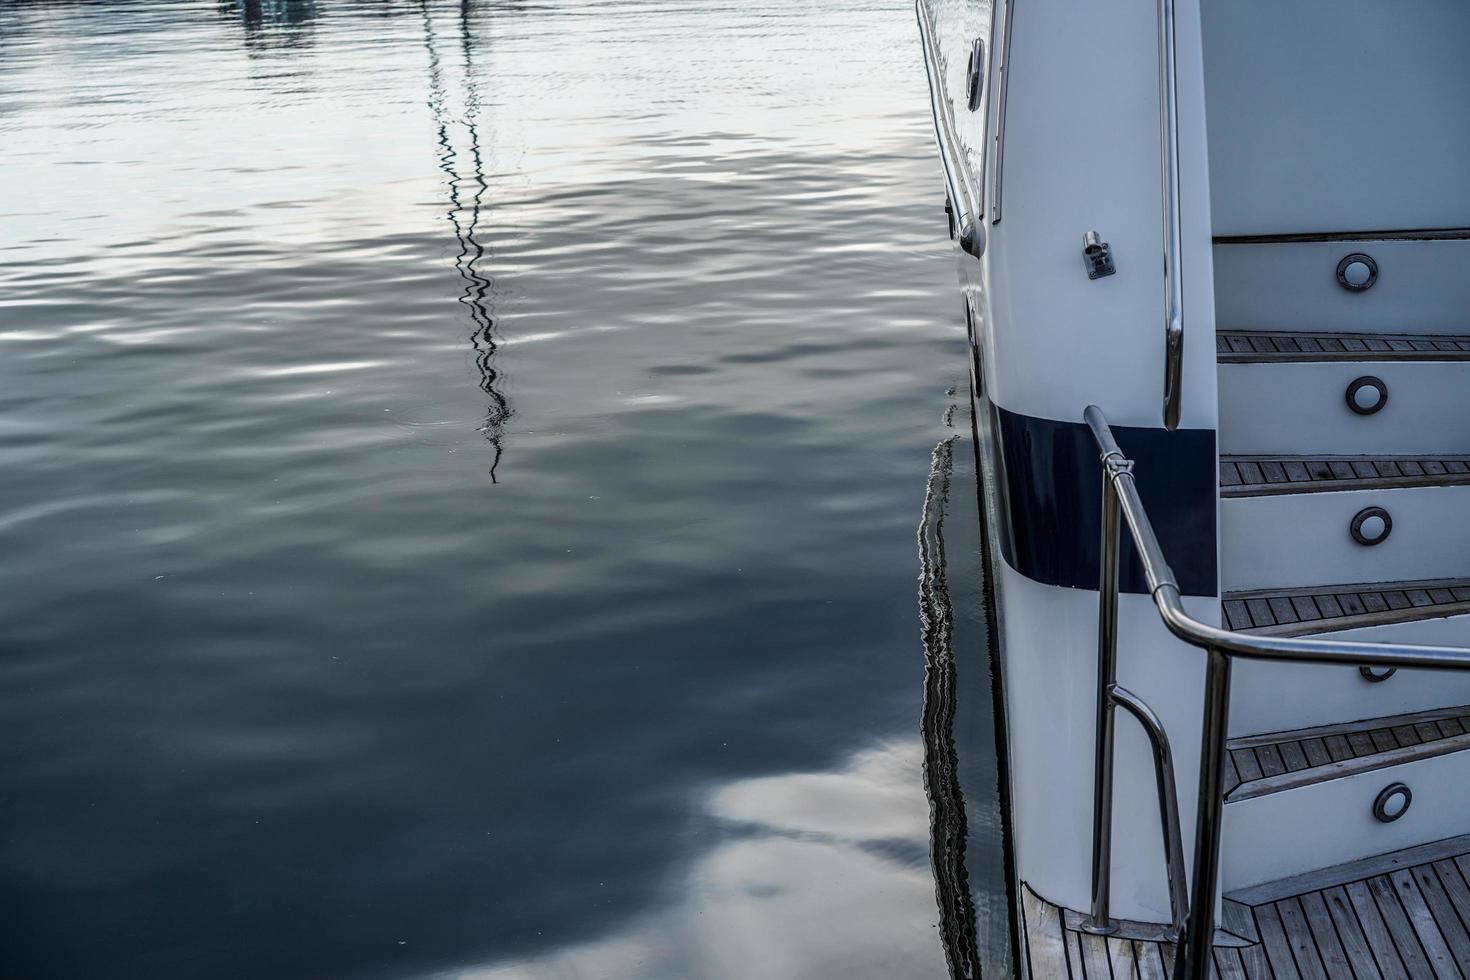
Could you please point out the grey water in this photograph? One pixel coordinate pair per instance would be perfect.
(485, 491)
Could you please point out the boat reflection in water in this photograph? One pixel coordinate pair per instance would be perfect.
(272, 23)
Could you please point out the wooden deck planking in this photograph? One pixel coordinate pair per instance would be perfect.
(1264, 764)
(1121, 959)
(1293, 755)
(1400, 916)
(1149, 960)
(1262, 346)
(1325, 608)
(1392, 961)
(1246, 764)
(1259, 476)
(1299, 936)
(1316, 750)
(1436, 948)
(1455, 888)
(1354, 942)
(1075, 966)
(1269, 756)
(1324, 935)
(1401, 933)
(1228, 965)
(1095, 963)
(1257, 967)
(1442, 910)
(1045, 951)
(1277, 945)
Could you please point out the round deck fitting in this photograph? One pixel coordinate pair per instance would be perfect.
(1377, 675)
(1356, 272)
(1392, 802)
(1370, 526)
(1367, 395)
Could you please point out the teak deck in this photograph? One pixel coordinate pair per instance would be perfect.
(1261, 346)
(1401, 915)
(1258, 476)
(1320, 609)
(1263, 764)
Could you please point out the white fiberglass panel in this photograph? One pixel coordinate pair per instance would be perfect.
(1268, 838)
(1050, 664)
(1300, 408)
(1422, 287)
(1304, 539)
(1081, 153)
(1274, 697)
(1337, 115)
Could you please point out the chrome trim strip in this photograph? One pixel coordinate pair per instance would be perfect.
(1173, 237)
(959, 179)
(934, 95)
(1000, 87)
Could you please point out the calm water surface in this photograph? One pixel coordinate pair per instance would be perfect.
(461, 480)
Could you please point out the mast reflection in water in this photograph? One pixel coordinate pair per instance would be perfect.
(464, 214)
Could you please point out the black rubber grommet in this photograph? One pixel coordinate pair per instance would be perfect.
(1377, 675)
(1367, 381)
(1356, 528)
(1386, 796)
(1342, 268)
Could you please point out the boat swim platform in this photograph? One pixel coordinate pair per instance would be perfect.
(1398, 916)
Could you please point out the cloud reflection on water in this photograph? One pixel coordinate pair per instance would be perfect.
(819, 874)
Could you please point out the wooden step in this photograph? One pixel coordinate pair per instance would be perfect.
(1263, 764)
(1322, 609)
(1407, 909)
(1256, 476)
(1265, 346)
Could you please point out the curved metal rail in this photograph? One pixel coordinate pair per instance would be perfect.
(1120, 496)
(958, 179)
(1173, 237)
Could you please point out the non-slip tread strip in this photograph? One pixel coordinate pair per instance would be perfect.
(1256, 476)
(1266, 764)
(1267, 346)
(1320, 609)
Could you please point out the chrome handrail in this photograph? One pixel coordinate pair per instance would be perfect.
(958, 178)
(1168, 801)
(1120, 496)
(1110, 695)
(1173, 237)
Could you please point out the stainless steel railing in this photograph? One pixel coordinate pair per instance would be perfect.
(1173, 238)
(1109, 696)
(1120, 496)
(960, 183)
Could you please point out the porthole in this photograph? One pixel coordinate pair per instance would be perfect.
(1392, 802)
(1367, 395)
(977, 73)
(1357, 272)
(1377, 675)
(1371, 526)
